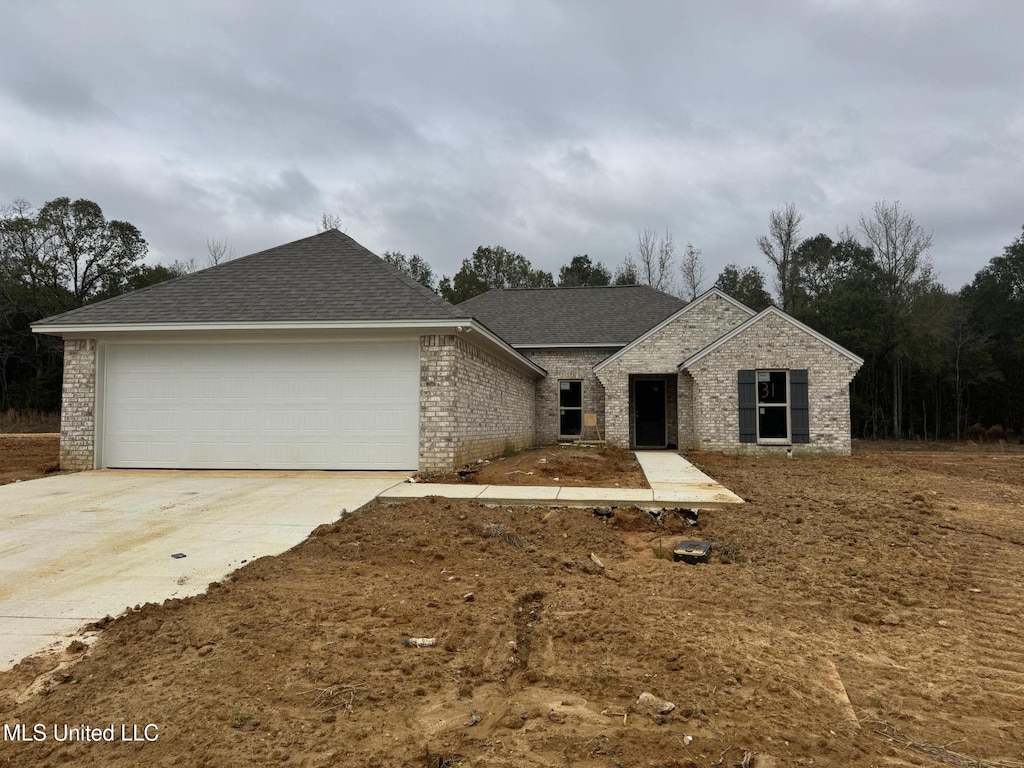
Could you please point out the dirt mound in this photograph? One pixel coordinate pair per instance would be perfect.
(28, 456)
(663, 521)
(857, 611)
(564, 465)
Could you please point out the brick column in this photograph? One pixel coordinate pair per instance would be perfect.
(78, 402)
(437, 403)
(616, 405)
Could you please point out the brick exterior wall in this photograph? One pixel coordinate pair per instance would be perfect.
(687, 428)
(472, 405)
(78, 405)
(662, 352)
(566, 364)
(772, 343)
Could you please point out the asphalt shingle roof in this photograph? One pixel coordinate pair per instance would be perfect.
(327, 277)
(611, 315)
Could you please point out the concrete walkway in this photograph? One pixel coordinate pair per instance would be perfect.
(674, 482)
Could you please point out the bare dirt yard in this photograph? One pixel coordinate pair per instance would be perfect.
(27, 456)
(863, 611)
(563, 465)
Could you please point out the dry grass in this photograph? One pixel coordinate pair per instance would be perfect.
(29, 421)
(945, 446)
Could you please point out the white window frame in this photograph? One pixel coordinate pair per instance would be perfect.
(788, 439)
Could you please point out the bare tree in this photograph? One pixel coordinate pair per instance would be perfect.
(218, 250)
(626, 273)
(900, 246)
(654, 258)
(964, 341)
(184, 267)
(778, 246)
(692, 268)
(329, 221)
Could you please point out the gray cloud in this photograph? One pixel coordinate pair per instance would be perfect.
(552, 128)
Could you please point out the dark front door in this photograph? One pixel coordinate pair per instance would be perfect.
(649, 399)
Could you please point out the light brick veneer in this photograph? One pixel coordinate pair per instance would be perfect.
(78, 405)
(697, 325)
(687, 429)
(772, 342)
(566, 364)
(472, 405)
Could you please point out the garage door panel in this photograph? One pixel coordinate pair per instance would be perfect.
(272, 406)
(357, 450)
(389, 422)
(303, 453)
(352, 423)
(167, 453)
(294, 389)
(382, 450)
(305, 421)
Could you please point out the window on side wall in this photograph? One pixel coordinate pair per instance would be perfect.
(570, 408)
(774, 407)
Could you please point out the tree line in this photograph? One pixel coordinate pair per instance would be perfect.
(654, 263)
(59, 257)
(938, 363)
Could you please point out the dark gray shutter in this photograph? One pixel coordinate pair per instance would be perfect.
(798, 409)
(747, 381)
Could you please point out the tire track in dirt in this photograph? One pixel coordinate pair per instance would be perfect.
(997, 624)
(989, 530)
(991, 609)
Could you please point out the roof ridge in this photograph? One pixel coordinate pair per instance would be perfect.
(352, 274)
(560, 316)
(573, 287)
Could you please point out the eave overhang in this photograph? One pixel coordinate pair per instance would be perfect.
(126, 332)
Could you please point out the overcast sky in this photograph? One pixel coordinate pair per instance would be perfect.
(551, 128)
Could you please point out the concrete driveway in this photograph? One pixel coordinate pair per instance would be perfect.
(75, 548)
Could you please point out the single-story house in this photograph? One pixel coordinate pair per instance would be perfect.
(317, 354)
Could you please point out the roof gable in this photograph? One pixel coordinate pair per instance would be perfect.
(712, 292)
(769, 312)
(327, 277)
(607, 316)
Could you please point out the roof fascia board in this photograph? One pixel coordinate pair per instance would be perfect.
(671, 319)
(500, 344)
(757, 318)
(453, 326)
(609, 345)
(80, 329)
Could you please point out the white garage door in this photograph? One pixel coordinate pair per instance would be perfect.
(261, 406)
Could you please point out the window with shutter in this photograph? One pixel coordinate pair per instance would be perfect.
(773, 406)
